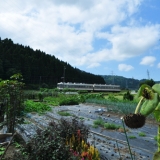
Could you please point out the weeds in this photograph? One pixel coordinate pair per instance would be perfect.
(38, 107)
(2, 149)
(132, 137)
(141, 134)
(99, 122)
(111, 126)
(62, 113)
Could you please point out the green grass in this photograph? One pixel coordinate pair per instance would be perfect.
(62, 113)
(132, 137)
(95, 126)
(111, 126)
(99, 122)
(52, 101)
(141, 134)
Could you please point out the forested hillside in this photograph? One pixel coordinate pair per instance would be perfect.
(125, 83)
(38, 67)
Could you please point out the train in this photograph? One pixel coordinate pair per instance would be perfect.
(89, 87)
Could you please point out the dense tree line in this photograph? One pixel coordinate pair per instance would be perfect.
(38, 67)
(127, 83)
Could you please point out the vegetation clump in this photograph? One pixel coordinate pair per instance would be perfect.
(69, 101)
(128, 96)
(31, 106)
(141, 134)
(101, 123)
(62, 113)
(63, 140)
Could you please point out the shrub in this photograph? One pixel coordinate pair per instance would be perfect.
(128, 96)
(38, 107)
(40, 96)
(112, 98)
(50, 144)
(69, 101)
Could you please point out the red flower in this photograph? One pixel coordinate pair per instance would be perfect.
(84, 154)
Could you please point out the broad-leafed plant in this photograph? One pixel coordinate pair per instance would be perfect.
(149, 102)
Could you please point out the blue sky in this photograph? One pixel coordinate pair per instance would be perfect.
(104, 37)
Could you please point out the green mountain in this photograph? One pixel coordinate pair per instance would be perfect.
(125, 83)
(39, 68)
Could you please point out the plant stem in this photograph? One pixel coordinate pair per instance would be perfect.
(138, 105)
(158, 138)
(118, 151)
(127, 139)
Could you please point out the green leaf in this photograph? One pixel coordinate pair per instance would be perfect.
(156, 156)
(157, 112)
(156, 88)
(149, 105)
(141, 89)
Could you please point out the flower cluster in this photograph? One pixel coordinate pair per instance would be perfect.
(81, 149)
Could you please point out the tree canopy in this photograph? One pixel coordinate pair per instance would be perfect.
(39, 68)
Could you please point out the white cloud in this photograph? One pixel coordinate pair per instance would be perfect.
(129, 41)
(125, 67)
(93, 65)
(158, 65)
(148, 60)
(67, 29)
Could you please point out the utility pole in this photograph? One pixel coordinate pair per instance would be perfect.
(112, 78)
(148, 74)
(64, 76)
(126, 84)
(39, 82)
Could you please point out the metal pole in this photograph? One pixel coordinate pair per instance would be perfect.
(64, 77)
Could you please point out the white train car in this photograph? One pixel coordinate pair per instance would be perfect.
(104, 87)
(89, 87)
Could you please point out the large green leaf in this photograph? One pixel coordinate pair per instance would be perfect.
(149, 105)
(157, 112)
(141, 89)
(156, 88)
